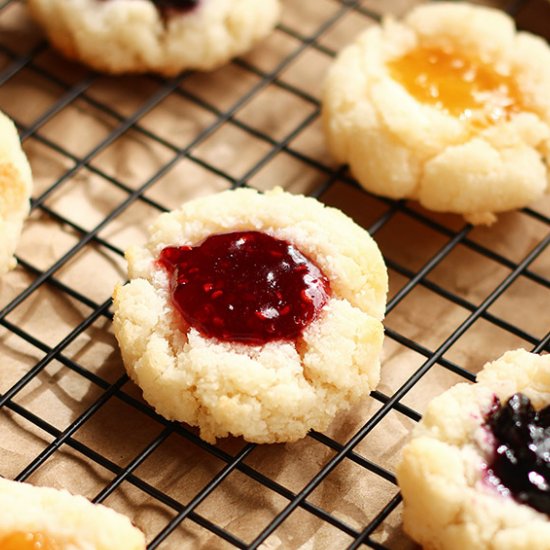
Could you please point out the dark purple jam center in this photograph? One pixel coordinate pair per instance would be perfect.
(245, 287)
(175, 4)
(169, 7)
(521, 463)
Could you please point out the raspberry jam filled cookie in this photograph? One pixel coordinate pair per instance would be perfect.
(162, 36)
(15, 190)
(256, 315)
(448, 107)
(40, 518)
(476, 473)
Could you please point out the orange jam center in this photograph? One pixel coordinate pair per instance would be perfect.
(468, 89)
(27, 541)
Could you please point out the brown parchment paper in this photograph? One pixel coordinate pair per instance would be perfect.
(85, 365)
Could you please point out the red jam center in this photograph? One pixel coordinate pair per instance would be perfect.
(245, 287)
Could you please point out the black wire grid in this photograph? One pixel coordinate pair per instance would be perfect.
(419, 252)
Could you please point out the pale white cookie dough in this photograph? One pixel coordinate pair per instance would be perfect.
(266, 393)
(15, 190)
(399, 147)
(131, 36)
(447, 504)
(68, 522)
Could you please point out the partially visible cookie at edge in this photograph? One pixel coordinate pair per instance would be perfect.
(457, 475)
(52, 519)
(266, 391)
(165, 37)
(448, 106)
(15, 191)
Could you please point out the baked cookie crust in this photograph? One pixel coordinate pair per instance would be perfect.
(134, 36)
(70, 522)
(447, 502)
(266, 393)
(15, 190)
(399, 147)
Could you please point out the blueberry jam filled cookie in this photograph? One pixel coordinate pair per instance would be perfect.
(449, 106)
(257, 315)
(40, 518)
(15, 190)
(476, 473)
(162, 36)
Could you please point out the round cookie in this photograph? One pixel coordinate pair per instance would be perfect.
(459, 485)
(162, 36)
(50, 519)
(15, 190)
(269, 390)
(449, 107)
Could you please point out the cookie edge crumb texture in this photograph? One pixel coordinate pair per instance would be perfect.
(71, 521)
(399, 148)
(15, 191)
(270, 393)
(446, 503)
(131, 36)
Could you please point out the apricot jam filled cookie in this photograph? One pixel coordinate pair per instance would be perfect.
(449, 107)
(162, 36)
(15, 190)
(40, 518)
(476, 473)
(257, 315)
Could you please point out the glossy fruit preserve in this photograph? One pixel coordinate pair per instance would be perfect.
(27, 541)
(521, 462)
(245, 287)
(175, 4)
(466, 88)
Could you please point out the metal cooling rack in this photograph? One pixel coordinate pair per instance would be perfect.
(412, 276)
